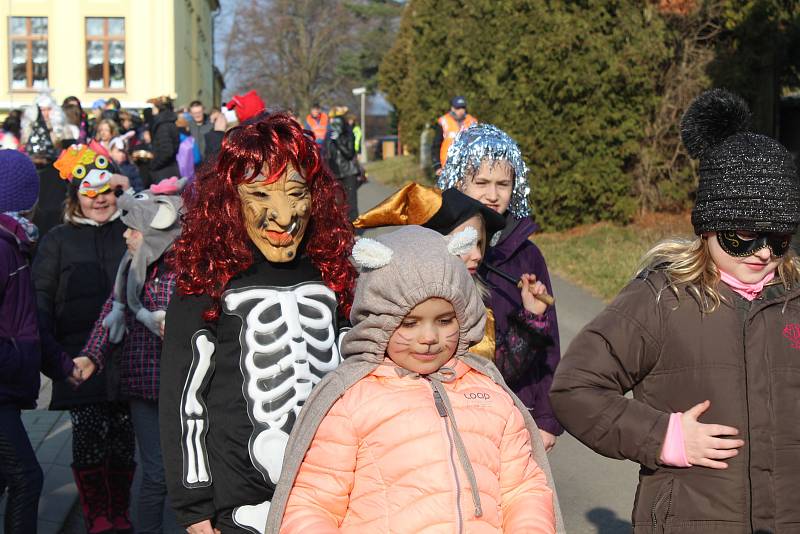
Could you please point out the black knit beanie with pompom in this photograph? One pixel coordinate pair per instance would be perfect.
(748, 181)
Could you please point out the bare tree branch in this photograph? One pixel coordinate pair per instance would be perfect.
(288, 50)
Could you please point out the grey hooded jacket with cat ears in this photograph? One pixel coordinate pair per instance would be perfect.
(401, 270)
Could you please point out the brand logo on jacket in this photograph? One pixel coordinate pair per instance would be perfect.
(792, 333)
(478, 398)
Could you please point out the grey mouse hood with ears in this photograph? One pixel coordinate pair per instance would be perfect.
(402, 269)
(158, 218)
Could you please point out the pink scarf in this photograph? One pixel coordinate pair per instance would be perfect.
(748, 291)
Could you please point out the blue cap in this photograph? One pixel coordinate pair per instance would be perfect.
(458, 102)
(99, 103)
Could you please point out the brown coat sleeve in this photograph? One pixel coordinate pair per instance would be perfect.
(612, 354)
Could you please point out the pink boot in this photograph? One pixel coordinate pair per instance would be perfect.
(91, 481)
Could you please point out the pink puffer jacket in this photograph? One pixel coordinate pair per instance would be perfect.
(383, 460)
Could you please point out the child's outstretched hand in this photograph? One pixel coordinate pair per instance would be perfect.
(121, 181)
(703, 447)
(84, 368)
(75, 379)
(531, 287)
(548, 439)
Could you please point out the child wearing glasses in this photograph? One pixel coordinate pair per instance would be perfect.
(707, 337)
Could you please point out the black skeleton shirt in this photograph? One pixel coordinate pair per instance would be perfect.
(230, 391)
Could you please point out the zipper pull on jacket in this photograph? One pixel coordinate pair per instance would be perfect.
(440, 407)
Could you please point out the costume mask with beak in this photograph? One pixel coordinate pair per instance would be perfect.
(276, 213)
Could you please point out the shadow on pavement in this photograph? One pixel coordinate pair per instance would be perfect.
(607, 521)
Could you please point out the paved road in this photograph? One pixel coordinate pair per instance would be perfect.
(51, 436)
(596, 493)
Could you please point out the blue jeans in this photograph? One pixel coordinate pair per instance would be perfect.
(153, 492)
(19, 472)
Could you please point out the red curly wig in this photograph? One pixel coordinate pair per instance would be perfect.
(214, 245)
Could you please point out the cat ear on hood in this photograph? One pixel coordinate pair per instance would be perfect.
(462, 242)
(370, 254)
(166, 215)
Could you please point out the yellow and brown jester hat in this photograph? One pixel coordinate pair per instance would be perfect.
(430, 207)
(87, 167)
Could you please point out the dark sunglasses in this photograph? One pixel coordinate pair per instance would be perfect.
(742, 243)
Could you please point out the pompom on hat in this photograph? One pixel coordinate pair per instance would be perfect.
(748, 181)
(19, 182)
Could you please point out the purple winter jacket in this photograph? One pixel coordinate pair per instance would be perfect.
(23, 352)
(516, 255)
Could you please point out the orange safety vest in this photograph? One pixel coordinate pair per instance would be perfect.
(318, 126)
(450, 128)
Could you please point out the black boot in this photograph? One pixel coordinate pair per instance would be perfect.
(119, 492)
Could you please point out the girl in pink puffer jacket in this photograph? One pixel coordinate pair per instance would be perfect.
(412, 434)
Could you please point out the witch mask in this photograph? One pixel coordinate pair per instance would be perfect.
(276, 213)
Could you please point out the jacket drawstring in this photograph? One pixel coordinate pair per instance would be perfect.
(447, 374)
(460, 448)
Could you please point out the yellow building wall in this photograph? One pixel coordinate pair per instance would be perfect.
(168, 49)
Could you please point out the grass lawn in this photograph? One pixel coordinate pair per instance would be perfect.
(602, 257)
(396, 171)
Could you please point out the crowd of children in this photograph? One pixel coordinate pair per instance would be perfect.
(147, 145)
(315, 382)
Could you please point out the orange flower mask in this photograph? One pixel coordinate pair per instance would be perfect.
(92, 169)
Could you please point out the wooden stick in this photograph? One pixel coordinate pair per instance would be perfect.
(544, 297)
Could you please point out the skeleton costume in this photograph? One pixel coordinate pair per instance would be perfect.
(242, 383)
(232, 389)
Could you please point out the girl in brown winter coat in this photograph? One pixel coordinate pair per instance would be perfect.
(707, 338)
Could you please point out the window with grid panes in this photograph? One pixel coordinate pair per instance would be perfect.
(105, 53)
(27, 40)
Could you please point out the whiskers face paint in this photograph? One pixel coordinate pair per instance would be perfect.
(426, 338)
